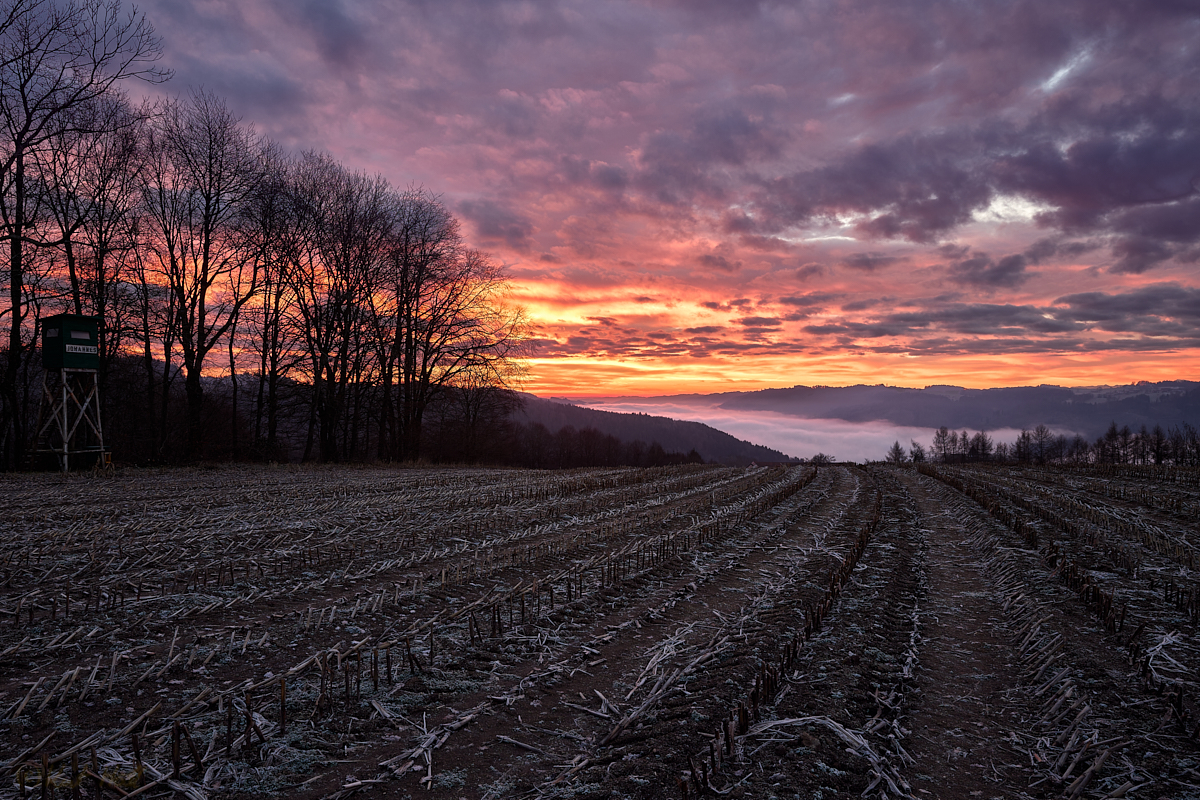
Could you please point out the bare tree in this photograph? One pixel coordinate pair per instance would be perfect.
(90, 170)
(1158, 445)
(1042, 437)
(942, 444)
(273, 226)
(447, 318)
(156, 311)
(343, 220)
(1023, 447)
(111, 234)
(202, 169)
(55, 56)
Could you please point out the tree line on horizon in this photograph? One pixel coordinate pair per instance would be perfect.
(330, 301)
(1177, 445)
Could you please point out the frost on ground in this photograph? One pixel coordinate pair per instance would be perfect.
(828, 632)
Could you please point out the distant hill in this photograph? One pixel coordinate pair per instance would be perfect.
(1086, 410)
(674, 435)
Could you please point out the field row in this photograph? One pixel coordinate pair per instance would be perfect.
(754, 632)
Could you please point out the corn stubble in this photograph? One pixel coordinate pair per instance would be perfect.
(698, 631)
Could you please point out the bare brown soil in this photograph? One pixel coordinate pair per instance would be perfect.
(954, 632)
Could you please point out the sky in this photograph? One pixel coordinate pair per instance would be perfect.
(704, 196)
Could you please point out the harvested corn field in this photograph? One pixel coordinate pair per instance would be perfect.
(829, 632)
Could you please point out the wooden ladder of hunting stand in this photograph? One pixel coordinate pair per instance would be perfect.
(69, 419)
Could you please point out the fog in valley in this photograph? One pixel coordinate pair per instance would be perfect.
(803, 438)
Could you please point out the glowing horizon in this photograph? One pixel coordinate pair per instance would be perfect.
(634, 380)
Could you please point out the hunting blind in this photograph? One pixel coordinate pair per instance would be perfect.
(70, 341)
(69, 426)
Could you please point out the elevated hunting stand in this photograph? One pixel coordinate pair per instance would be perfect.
(69, 425)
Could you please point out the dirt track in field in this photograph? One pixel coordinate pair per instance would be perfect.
(952, 633)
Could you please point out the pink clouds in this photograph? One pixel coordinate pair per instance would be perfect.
(911, 188)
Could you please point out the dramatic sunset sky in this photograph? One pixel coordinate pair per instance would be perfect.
(700, 196)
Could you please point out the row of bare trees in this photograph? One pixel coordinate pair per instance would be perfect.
(205, 249)
(1178, 445)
